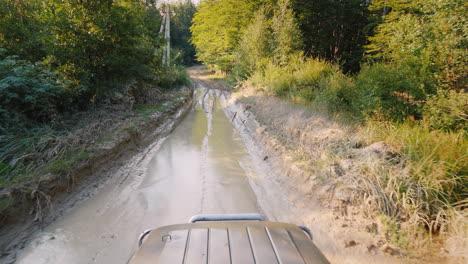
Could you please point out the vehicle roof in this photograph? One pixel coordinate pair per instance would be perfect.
(235, 242)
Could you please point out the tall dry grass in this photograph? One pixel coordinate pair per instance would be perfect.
(421, 193)
(426, 190)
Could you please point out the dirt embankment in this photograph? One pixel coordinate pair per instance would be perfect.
(38, 202)
(313, 169)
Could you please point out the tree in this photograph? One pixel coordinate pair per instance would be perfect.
(255, 47)
(217, 29)
(101, 43)
(180, 33)
(428, 37)
(21, 30)
(334, 30)
(287, 37)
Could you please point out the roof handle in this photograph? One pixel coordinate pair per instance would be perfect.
(307, 231)
(142, 237)
(227, 217)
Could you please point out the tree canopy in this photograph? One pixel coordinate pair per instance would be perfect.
(217, 28)
(63, 55)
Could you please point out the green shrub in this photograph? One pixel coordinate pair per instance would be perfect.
(447, 110)
(173, 77)
(398, 92)
(301, 80)
(30, 93)
(311, 78)
(336, 92)
(278, 80)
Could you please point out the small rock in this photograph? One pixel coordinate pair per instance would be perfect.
(373, 249)
(350, 243)
(344, 225)
(343, 193)
(265, 158)
(381, 150)
(392, 251)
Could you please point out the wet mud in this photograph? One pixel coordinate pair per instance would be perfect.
(201, 168)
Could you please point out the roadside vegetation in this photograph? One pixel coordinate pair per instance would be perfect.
(396, 70)
(70, 71)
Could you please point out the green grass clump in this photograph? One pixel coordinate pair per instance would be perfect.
(438, 159)
(67, 161)
(430, 180)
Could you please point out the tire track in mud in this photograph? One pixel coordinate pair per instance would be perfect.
(199, 168)
(208, 110)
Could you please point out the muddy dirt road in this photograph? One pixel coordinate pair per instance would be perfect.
(199, 168)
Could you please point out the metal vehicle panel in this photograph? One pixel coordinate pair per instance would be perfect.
(229, 242)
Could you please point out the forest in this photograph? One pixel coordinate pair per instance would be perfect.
(64, 65)
(397, 69)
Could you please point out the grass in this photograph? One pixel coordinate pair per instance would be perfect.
(67, 161)
(24, 157)
(436, 159)
(146, 111)
(430, 185)
(419, 195)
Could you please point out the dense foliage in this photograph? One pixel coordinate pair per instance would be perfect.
(180, 31)
(217, 28)
(399, 68)
(30, 93)
(60, 57)
(415, 50)
(334, 30)
(93, 43)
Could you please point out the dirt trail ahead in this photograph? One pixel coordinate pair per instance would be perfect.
(201, 167)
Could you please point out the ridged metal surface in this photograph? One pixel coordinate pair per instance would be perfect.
(236, 242)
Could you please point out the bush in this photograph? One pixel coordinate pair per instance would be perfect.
(396, 91)
(336, 92)
(302, 79)
(173, 77)
(447, 110)
(30, 93)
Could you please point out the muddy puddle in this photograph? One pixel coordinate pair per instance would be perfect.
(198, 169)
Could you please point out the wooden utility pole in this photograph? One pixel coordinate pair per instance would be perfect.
(167, 36)
(162, 23)
(166, 27)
